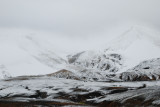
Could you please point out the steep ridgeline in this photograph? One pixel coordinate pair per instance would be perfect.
(37, 55)
(136, 45)
(29, 55)
(124, 52)
(145, 71)
(100, 61)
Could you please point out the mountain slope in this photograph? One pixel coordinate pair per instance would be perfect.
(136, 45)
(28, 55)
(146, 70)
(99, 61)
(122, 53)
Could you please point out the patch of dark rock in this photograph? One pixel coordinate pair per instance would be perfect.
(72, 59)
(144, 86)
(27, 88)
(138, 102)
(79, 90)
(56, 89)
(118, 90)
(112, 88)
(10, 96)
(142, 78)
(153, 77)
(36, 104)
(39, 94)
(111, 75)
(146, 68)
(3, 88)
(14, 79)
(50, 87)
(23, 78)
(110, 104)
(95, 79)
(116, 56)
(135, 77)
(63, 95)
(120, 77)
(64, 74)
(84, 97)
(132, 102)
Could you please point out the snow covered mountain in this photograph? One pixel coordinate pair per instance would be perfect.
(101, 61)
(136, 45)
(31, 54)
(125, 51)
(146, 70)
(122, 53)
(28, 55)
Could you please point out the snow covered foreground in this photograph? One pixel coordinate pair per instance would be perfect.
(60, 92)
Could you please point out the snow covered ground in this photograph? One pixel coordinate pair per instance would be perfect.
(27, 89)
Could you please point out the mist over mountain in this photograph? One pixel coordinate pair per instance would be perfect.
(79, 53)
(27, 52)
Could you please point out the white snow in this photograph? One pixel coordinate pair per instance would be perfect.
(136, 45)
(24, 53)
(149, 69)
(53, 86)
(3, 72)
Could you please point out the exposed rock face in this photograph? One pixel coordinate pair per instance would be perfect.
(72, 59)
(85, 75)
(145, 71)
(64, 74)
(100, 61)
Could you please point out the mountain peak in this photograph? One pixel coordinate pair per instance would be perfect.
(136, 44)
(132, 35)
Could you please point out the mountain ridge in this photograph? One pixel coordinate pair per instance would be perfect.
(36, 54)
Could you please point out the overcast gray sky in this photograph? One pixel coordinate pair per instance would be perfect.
(76, 17)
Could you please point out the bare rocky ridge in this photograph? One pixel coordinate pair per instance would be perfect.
(97, 60)
(145, 71)
(64, 74)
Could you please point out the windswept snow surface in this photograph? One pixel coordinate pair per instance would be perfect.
(136, 45)
(27, 54)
